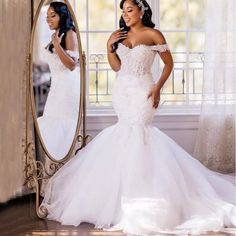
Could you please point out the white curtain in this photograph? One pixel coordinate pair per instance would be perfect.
(215, 146)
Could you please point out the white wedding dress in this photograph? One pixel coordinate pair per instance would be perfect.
(132, 177)
(58, 123)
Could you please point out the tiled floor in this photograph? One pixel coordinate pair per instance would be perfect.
(18, 217)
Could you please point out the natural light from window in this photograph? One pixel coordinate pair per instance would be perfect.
(181, 21)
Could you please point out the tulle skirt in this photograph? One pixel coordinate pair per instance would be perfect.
(136, 179)
(56, 131)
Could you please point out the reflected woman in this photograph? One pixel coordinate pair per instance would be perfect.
(58, 123)
(132, 177)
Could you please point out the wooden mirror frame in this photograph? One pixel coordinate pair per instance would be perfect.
(37, 129)
(35, 171)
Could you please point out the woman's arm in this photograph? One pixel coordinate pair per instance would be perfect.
(167, 59)
(113, 58)
(168, 66)
(71, 44)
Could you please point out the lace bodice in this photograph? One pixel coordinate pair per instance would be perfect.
(133, 84)
(138, 60)
(65, 87)
(55, 64)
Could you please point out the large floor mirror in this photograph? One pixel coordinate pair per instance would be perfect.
(56, 92)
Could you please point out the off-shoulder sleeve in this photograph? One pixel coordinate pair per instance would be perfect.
(160, 48)
(73, 53)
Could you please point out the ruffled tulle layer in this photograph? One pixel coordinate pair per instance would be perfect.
(136, 179)
(55, 131)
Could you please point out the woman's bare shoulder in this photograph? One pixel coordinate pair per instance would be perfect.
(156, 35)
(71, 40)
(71, 33)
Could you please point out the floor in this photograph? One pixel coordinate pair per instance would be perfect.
(17, 217)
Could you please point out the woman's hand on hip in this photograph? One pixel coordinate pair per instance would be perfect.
(155, 95)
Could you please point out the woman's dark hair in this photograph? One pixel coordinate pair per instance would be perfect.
(65, 22)
(146, 19)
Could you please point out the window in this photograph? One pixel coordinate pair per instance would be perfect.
(182, 23)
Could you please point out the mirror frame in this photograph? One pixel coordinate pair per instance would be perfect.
(82, 86)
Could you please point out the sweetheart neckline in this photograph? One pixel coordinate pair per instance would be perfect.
(138, 45)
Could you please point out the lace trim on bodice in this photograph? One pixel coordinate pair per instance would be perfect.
(73, 53)
(139, 59)
(160, 48)
(54, 61)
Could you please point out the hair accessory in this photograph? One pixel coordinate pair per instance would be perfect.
(141, 5)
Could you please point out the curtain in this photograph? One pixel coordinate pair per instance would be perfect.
(215, 143)
(15, 27)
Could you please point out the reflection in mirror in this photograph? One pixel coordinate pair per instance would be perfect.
(56, 78)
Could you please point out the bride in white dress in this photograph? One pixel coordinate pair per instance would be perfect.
(132, 177)
(58, 123)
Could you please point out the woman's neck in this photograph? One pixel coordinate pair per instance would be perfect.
(137, 27)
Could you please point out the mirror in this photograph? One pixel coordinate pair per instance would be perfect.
(56, 67)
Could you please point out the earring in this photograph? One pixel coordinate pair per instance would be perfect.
(141, 17)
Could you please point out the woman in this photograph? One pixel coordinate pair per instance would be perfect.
(132, 176)
(58, 123)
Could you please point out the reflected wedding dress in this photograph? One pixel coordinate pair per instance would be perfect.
(132, 177)
(58, 123)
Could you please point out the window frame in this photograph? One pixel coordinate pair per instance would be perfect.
(186, 108)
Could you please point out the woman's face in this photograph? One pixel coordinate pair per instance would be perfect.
(131, 13)
(52, 19)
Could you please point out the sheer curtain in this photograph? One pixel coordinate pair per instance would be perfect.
(215, 146)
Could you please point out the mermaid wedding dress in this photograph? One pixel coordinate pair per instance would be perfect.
(58, 123)
(132, 177)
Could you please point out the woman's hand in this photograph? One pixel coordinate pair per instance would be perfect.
(155, 94)
(115, 37)
(56, 40)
